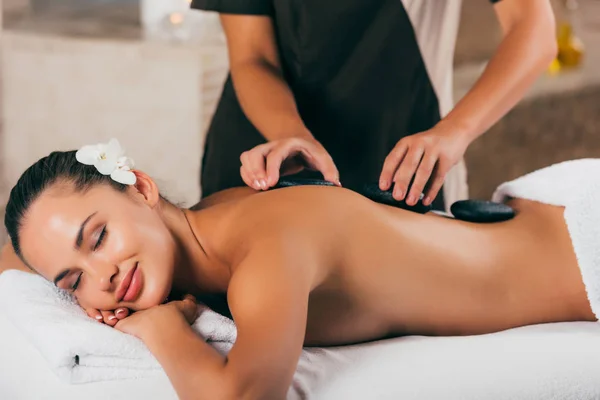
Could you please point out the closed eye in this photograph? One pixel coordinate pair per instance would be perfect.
(76, 284)
(101, 238)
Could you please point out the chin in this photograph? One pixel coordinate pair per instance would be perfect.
(154, 292)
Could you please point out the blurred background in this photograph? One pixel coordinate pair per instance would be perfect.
(82, 71)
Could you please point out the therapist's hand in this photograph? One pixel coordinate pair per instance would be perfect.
(426, 156)
(264, 164)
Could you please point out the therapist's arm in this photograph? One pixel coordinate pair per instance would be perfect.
(263, 93)
(268, 102)
(527, 48)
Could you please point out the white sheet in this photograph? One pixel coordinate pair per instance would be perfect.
(558, 361)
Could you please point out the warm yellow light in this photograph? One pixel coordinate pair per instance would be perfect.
(176, 18)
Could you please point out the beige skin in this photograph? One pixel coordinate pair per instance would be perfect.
(300, 266)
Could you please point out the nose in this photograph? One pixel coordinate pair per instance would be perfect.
(104, 274)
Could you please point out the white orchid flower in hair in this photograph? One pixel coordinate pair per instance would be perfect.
(109, 159)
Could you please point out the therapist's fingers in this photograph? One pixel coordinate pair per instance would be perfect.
(254, 163)
(390, 166)
(315, 157)
(435, 184)
(422, 176)
(406, 171)
(291, 155)
(275, 160)
(247, 180)
(289, 166)
(323, 163)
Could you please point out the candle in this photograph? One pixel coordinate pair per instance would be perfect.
(154, 12)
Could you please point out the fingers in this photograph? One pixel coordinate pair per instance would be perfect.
(95, 314)
(109, 318)
(324, 163)
(254, 165)
(247, 180)
(390, 166)
(436, 183)
(283, 151)
(406, 171)
(312, 152)
(262, 165)
(189, 308)
(189, 297)
(274, 161)
(121, 313)
(422, 176)
(291, 166)
(245, 177)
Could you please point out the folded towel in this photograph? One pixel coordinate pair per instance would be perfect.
(576, 186)
(79, 349)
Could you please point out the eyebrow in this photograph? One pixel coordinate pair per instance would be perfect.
(79, 238)
(78, 242)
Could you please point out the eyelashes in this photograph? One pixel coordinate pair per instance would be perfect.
(76, 284)
(101, 238)
(96, 246)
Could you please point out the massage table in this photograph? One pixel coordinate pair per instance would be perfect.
(551, 361)
(555, 361)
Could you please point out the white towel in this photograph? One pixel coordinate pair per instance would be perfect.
(576, 186)
(79, 349)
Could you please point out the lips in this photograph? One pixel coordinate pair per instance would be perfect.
(131, 285)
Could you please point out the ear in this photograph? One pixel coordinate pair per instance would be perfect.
(145, 186)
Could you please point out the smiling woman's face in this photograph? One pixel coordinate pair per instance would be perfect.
(110, 249)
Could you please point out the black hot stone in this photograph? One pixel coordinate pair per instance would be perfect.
(372, 191)
(481, 211)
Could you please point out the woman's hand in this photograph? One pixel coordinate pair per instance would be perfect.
(168, 315)
(264, 164)
(108, 317)
(426, 156)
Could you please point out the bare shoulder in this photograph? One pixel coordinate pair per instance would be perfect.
(223, 196)
(306, 216)
(278, 260)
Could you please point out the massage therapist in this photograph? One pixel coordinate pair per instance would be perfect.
(361, 91)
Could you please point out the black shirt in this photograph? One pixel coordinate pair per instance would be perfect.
(364, 74)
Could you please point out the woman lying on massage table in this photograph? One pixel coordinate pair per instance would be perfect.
(300, 266)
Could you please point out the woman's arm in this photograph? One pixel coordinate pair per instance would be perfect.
(268, 297)
(261, 89)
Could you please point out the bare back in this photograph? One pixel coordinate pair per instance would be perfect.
(385, 271)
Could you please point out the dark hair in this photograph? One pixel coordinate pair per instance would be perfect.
(59, 166)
